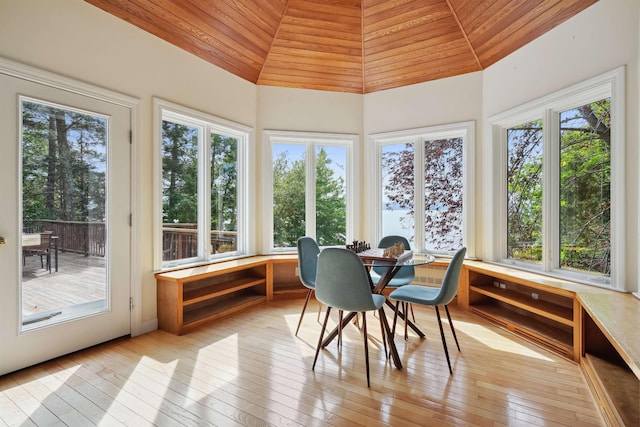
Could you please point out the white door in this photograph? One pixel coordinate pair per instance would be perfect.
(65, 220)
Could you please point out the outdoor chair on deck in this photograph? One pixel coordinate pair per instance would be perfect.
(435, 297)
(43, 250)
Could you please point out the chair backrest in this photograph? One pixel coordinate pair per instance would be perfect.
(45, 240)
(451, 278)
(406, 274)
(342, 281)
(308, 251)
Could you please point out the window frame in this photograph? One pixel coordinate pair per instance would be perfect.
(548, 108)
(465, 130)
(311, 140)
(206, 125)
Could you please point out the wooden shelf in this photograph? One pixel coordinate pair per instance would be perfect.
(554, 338)
(213, 291)
(286, 281)
(192, 297)
(617, 390)
(540, 307)
(541, 313)
(593, 326)
(208, 313)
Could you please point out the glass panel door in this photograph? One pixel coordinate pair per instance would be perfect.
(65, 220)
(64, 165)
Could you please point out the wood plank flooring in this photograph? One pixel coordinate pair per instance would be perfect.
(249, 370)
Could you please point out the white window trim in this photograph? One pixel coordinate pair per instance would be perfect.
(609, 84)
(466, 130)
(312, 139)
(206, 124)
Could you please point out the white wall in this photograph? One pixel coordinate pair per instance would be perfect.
(601, 38)
(78, 40)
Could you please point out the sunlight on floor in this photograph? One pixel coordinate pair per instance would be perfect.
(497, 341)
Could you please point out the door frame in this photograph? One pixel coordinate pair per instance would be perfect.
(35, 75)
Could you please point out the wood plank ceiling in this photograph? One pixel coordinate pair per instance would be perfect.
(356, 46)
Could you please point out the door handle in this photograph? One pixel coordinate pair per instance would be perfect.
(2, 241)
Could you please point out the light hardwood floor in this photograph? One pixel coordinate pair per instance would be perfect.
(250, 370)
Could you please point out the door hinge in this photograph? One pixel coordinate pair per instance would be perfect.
(130, 137)
(130, 220)
(131, 304)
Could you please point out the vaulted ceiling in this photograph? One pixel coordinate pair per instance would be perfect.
(357, 46)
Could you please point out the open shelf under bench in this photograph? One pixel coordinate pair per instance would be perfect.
(552, 337)
(543, 314)
(593, 326)
(192, 297)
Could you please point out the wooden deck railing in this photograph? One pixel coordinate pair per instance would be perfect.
(81, 237)
(179, 241)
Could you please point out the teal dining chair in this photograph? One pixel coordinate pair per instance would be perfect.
(404, 276)
(342, 282)
(434, 297)
(308, 251)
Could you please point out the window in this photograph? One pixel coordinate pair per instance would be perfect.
(564, 159)
(431, 165)
(309, 188)
(203, 167)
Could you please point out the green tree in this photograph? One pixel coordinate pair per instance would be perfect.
(289, 190)
(179, 173)
(288, 201)
(224, 183)
(331, 222)
(63, 164)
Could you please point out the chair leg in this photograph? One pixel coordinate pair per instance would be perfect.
(324, 326)
(340, 313)
(366, 345)
(395, 318)
(384, 335)
(405, 310)
(444, 341)
(304, 307)
(453, 331)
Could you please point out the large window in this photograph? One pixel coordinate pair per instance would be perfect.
(432, 166)
(202, 163)
(310, 183)
(564, 157)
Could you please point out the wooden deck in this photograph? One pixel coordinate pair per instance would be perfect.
(80, 279)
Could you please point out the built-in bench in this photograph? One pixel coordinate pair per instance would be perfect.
(594, 327)
(597, 328)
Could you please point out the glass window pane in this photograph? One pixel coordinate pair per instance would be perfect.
(398, 190)
(331, 197)
(524, 192)
(289, 189)
(585, 188)
(224, 193)
(443, 181)
(64, 172)
(179, 191)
